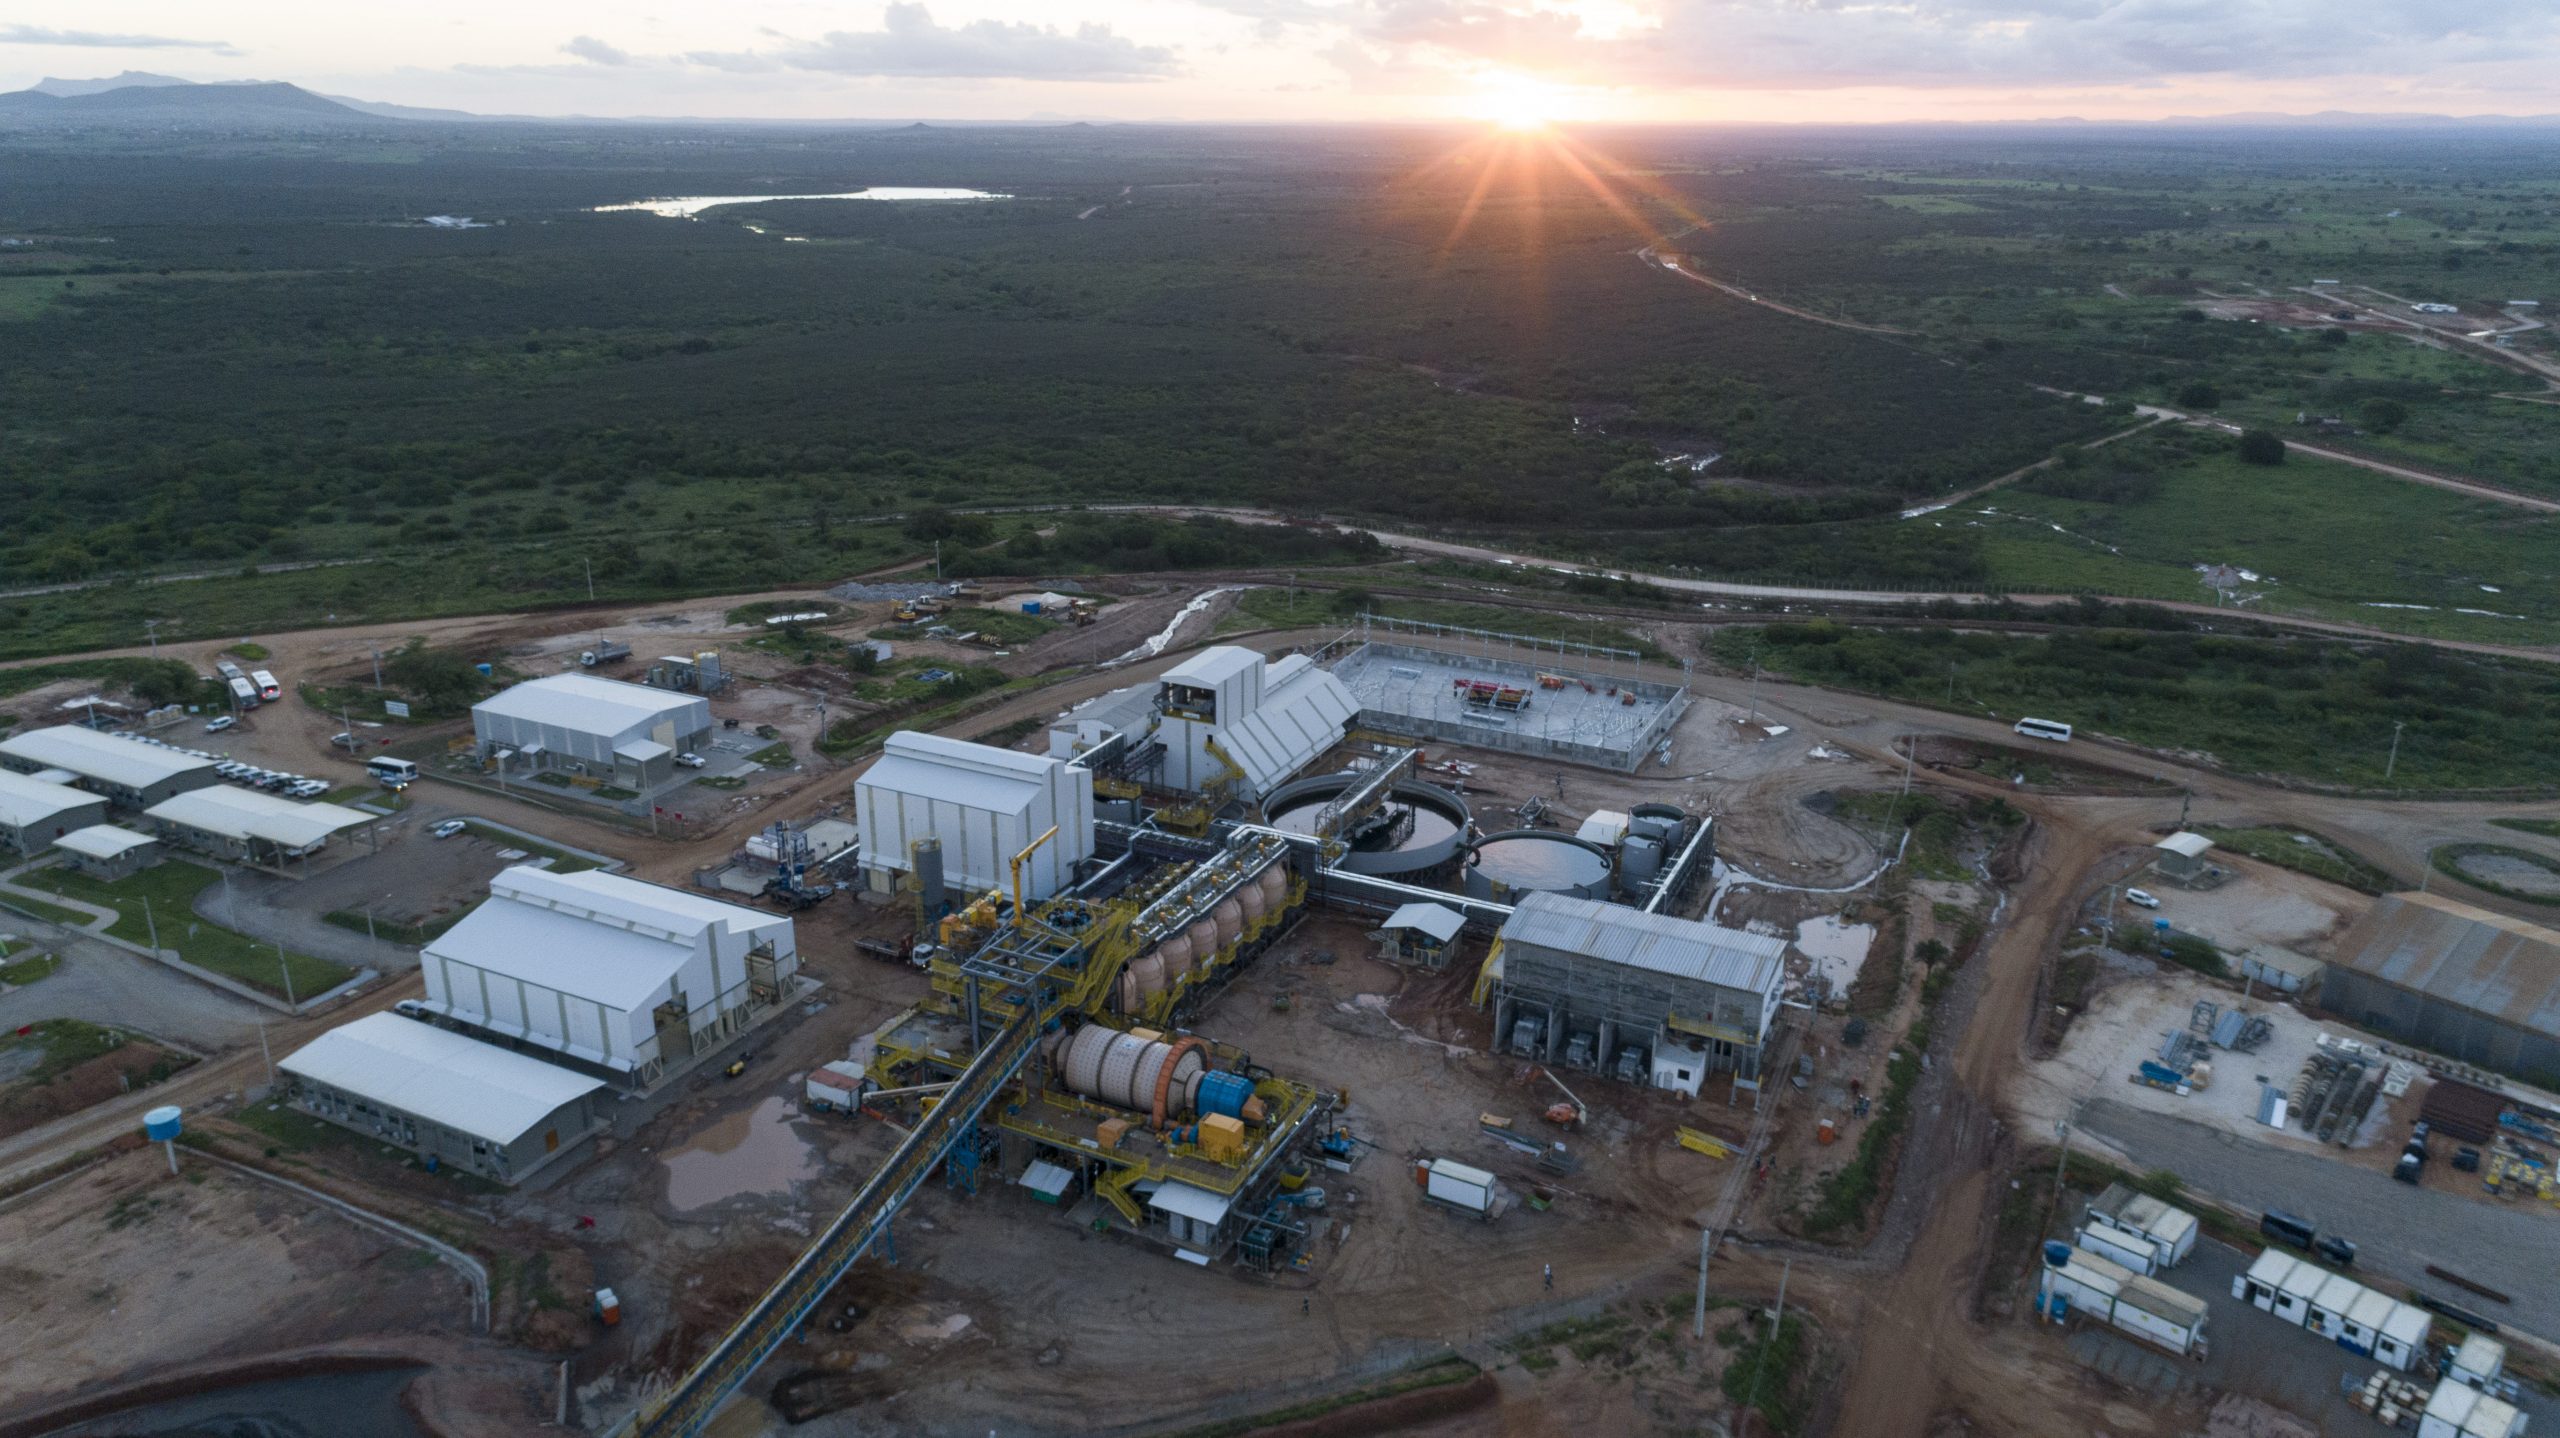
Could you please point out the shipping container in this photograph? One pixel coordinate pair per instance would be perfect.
(1457, 1185)
(2133, 1251)
(2457, 1411)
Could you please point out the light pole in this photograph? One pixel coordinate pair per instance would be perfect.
(286, 969)
(151, 630)
(2394, 761)
(150, 925)
(1706, 1243)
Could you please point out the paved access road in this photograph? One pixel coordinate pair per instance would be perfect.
(2398, 1230)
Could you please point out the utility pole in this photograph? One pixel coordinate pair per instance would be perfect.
(1755, 679)
(286, 969)
(1910, 742)
(591, 580)
(2394, 761)
(151, 925)
(1706, 1243)
(377, 668)
(266, 1053)
(151, 630)
(1951, 684)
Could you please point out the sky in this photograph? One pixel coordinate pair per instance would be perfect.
(1641, 61)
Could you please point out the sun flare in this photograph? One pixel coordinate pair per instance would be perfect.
(1518, 104)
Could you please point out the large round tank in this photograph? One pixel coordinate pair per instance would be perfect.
(1659, 822)
(1230, 919)
(1524, 860)
(1388, 843)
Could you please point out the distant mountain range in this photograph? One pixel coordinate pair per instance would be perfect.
(138, 99)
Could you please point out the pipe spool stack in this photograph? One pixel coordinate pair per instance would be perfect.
(1159, 1077)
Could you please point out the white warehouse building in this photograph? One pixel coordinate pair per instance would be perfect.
(627, 733)
(983, 804)
(622, 976)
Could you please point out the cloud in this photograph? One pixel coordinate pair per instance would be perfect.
(595, 51)
(1793, 44)
(909, 45)
(91, 39)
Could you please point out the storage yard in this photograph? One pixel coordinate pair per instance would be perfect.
(1361, 1023)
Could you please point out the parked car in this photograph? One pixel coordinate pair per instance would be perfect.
(691, 761)
(447, 829)
(2142, 898)
(309, 789)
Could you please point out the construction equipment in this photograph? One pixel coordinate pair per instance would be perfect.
(1572, 1111)
(1706, 1143)
(605, 652)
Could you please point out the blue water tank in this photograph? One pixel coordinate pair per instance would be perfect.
(2056, 1253)
(1223, 1094)
(486, 670)
(161, 1124)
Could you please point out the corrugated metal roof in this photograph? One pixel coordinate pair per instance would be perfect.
(417, 1068)
(1682, 948)
(589, 705)
(1208, 668)
(128, 762)
(1438, 920)
(622, 969)
(1301, 714)
(248, 814)
(636, 903)
(25, 801)
(2469, 957)
(102, 841)
(2193, 846)
(1197, 1204)
(954, 771)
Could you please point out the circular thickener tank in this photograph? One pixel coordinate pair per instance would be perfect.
(1656, 821)
(1421, 827)
(1176, 954)
(1534, 859)
(1230, 917)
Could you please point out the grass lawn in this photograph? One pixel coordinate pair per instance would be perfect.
(2448, 859)
(2548, 828)
(2293, 849)
(371, 795)
(42, 910)
(1538, 619)
(67, 1044)
(355, 921)
(170, 890)
(27, 968)
(776, 755)
(562, 861)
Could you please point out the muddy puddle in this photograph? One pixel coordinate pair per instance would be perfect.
(751, 1152)
(1838, 950)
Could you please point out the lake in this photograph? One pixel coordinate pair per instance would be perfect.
(686, 207)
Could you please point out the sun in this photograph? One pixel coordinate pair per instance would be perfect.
(1519, 104)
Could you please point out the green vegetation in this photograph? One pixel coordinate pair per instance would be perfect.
(1341, 608)
(2311, 709)
(412, 934)
(2548, 828)
(153, 681)
(38, 908)
(1135, 543)
(773, 756)
(27, 967)
(161, 900)
(1004, 626)
(562, 861)
(247, 653)
(1848, 1193)
(2465, 861)
(2306, 853)
(913, 703)
(69, 1043)
(2189, 951)
(1770, 1372)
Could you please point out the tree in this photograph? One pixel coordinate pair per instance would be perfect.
(2200, 395)
(440, 679)
(2382, 415)
(2258, 446)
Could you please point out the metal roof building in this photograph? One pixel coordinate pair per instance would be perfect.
(245, 824)
(1588, 984)
(35, 813)
(629, 733)
(106, 851)
(627, 977)
(127, 771)
(442, 1095)
(1271, 719)
(2460, 980)
(984, 805)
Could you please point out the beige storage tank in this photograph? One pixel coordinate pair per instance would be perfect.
(1255, 906)
(1230, 917)
(1275, 885)
(1204, 943)
(1149, 968)
(1176, 953)
(1124, 995)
